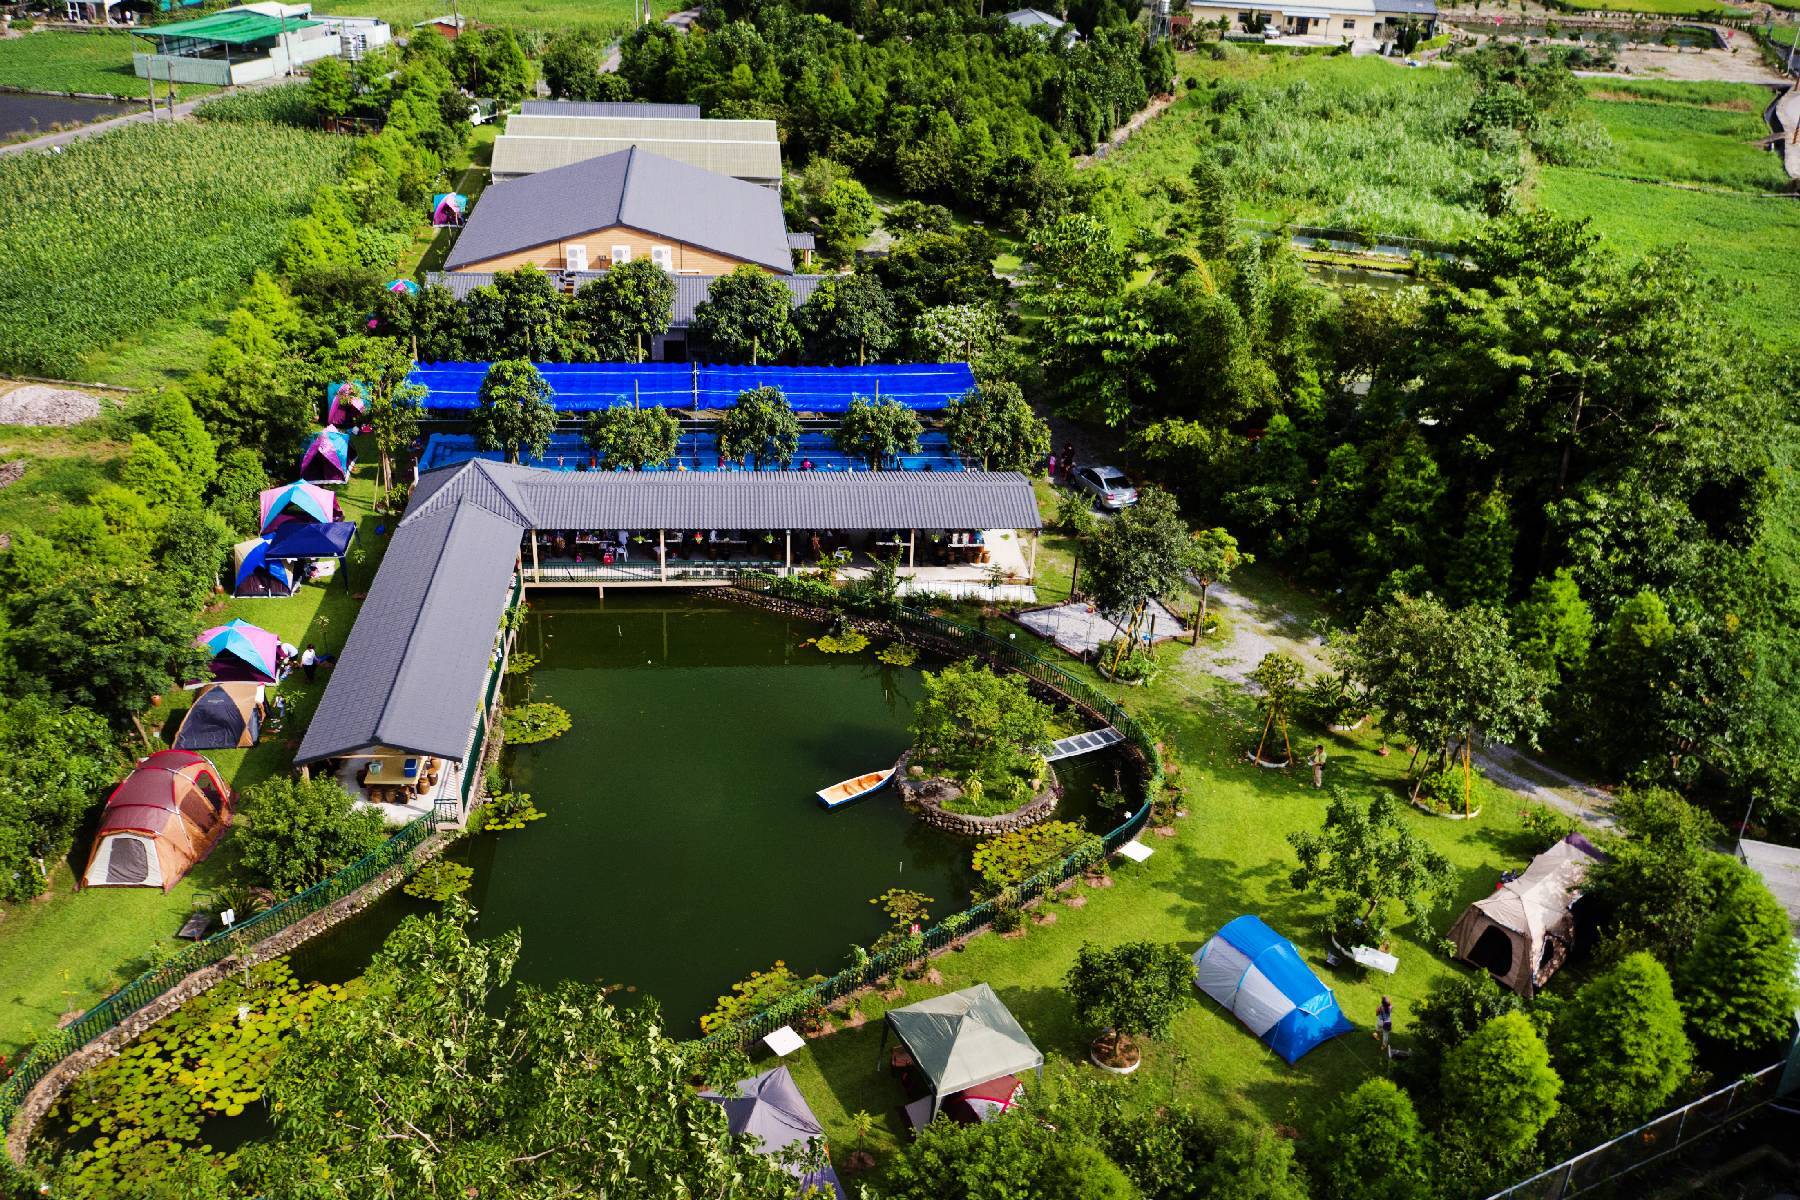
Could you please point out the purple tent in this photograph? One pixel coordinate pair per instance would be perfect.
(771, 1109)
(327, 458)
(345, 404)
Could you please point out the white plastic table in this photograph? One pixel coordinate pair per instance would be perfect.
(1135, 851)
(784, 1041)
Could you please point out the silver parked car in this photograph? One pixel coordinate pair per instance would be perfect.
(1109, 486)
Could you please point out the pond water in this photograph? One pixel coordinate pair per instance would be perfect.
(684, 847)
(23, 113)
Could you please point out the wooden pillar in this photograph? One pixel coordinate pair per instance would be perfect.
(787, 552)
(662, 555)
(912, 548)
(534, 556)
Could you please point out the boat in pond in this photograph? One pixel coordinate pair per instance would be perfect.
(854, 789)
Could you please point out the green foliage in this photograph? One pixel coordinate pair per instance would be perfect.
(975, 723)
(1277, 678)
(1364, 860)
(1545, 825)
(633, 439)
(195, 222)
(291, 833)
(1451, 1012)
(521, 662)
(989, 1161)
(751, 995)
(571, 67)
(760, 426)
(234, 495)
(1132, 989)
(843, 641)
(1011, 858)
(747, 317)
(1451, 789)
(1117, 658)
(1143, 553)
(55, 763)
(488, 62)
(1737, 983)
(1177, 1153)
(971, 333)
(846, 216)
(153, 475)
(996, 428)
(1554, 626)
(624, 309)
(515, 412)
(1654, 886)
(877, 430)
(848, 319)
(439, 880)
(538, 721)
(1498, 1092)
(523, 315)
(1620, 1048)
(898, 654)
(1370, 1147)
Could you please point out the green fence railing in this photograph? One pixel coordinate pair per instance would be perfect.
(134, 996)
(955, 637)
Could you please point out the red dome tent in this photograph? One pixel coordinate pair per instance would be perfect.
(159, 822)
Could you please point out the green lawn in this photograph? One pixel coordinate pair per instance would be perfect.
(1702, 134)
(1228, 857)
(61, 953)
(1668, 8)
(1740, 241)
(57, 60)
(518, 14)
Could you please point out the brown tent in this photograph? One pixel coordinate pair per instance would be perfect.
(223, 716)
(1522, 932)
(159, 822)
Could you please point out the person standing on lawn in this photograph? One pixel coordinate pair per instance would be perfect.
(1318, 765)
(309, 662)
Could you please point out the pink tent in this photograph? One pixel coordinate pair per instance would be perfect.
(345, 404)
(298, 503)
(327, 459)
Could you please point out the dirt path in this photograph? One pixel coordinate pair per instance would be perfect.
(1143, 117)
(1255, 627)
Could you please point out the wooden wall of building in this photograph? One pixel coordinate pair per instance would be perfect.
(553, 256)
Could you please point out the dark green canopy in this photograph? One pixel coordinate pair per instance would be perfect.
(964, 1039)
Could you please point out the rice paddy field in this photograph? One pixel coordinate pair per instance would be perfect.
(1355, 143)
(129, 230)
(95, 64)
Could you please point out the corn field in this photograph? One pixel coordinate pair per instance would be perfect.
(118, 232)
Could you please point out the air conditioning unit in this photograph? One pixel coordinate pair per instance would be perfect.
(621, 254)
(664, 257)
(575, 258)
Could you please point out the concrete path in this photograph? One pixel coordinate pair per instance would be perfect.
(1784, 119)
(49, 140)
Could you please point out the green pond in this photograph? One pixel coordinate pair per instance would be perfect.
(684, 847)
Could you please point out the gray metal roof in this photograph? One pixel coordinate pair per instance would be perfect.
(690, 290)
(635, 188)
(1026, 17)
(609, 108)
(802, 241)
(411, 673)
(742, 149)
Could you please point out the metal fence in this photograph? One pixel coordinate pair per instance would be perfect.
(953, 635)
(153, 983)
(1651, 1141)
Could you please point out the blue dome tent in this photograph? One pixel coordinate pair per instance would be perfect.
(1261, 978)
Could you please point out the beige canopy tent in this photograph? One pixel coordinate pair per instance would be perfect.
(963, 1039)
(1522, 932)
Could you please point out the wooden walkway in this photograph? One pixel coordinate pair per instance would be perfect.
(1083, 743)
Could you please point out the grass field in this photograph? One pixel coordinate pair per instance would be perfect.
(65, 951)
(517, 14)
(1359, 143)
(1701, 134)
(1667, 8)
(57, 60)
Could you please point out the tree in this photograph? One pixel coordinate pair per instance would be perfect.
(523, 315)
(571, 67)
(1277, 679)
(877, 430)
(1212, 214)
(1498, 1093)
(235, 489)
(1135, 989)
(441, 1076)
(152, 474)
(1362, 861)
(1450, 1014)
(1008, 1157)
(1737, 983)
(1176, 1153)
(1216, 556)
(633, 439)
(761, 426)
(1438, 675)
(994, 426)
(189, 548)
(969, 333)
(291, 833)
(109, 638)
(845, 214)
(515, 412)
(1554, 627)
(489, 63)
(1143, 553)
(623, 310)
(170, 420)
(1075, 252)
(328, 89)
(1653, 887)
(747, 316)
(394, 417)
(55, 762)
(971, 717)
(1619, 1045)
(1369, 1147)
(847, 319)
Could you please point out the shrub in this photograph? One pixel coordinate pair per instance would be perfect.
(1131, 668)
(525, 724)
(1498, 1093)
(1620, 1046)
(1545, 826)
(1737, 983)
(1370, 1147)
(292, 833)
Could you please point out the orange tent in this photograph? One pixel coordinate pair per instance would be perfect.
(159, 822)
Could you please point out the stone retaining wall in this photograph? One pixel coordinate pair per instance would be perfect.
(925, 799)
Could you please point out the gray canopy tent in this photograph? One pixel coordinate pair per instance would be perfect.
(770, 1108)
(963, 1039)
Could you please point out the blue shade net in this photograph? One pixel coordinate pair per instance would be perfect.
(586, 387)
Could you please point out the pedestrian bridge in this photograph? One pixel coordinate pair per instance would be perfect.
(1083, 743)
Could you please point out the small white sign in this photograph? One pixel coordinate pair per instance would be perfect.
(228, 917)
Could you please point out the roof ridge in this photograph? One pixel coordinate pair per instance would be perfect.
(455, 512)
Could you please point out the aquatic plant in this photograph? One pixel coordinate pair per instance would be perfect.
(539, 721)
(440, 880)
(898, 654)
(506, 810)
(846, 641)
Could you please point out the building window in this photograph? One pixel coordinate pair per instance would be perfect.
(663, 256)
(1349, 24)
(621, 254)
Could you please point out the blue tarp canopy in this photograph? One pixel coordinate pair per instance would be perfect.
(584, 387)
(1261, 978)
(328, 540)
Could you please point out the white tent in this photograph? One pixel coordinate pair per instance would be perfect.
(1261, 978)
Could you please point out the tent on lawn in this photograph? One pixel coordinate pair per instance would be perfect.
(1261, 978)
(255, 574)
(241, 653)
(330, 540)
(327, 459)
(1523, 930)
(448, 208)
(963, 1039)
(298, 504)
(225, 716)
(159, 822)
(771, 1109)
(345, 404)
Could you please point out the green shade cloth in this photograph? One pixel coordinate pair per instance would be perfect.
(963, 1039)
(238, 28)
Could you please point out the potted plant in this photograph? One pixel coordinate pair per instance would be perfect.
(1129, 991)
(1337, 703)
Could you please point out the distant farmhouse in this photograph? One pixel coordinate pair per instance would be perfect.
(251, 42)
(1377, 20)
(551, 134)
(1037, 18)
